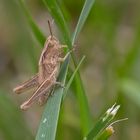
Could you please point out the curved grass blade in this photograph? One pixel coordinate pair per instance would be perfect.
(85, 115)
(83, 16)
(102, 123)
(72, 77)
(86, 120)
(56, 12)
(35, 29)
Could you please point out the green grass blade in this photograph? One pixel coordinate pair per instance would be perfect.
(83, 16)
(48, 124)
(57, 14)
(86, 120)
(102, 123)
(35, 29)
(49, 121)
(72, 77)
(131, 89)
(85, 116)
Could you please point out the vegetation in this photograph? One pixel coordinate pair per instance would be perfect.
(109, 73)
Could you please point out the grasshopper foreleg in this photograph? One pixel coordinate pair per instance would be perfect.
(64, 58)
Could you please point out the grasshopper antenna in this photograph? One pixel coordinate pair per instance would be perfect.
(49, 24)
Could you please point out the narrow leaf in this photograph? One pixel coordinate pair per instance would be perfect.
(72, 77)
(57, 14)
(48, 124)
(49, 121)
(102, 123)
(83, 16)
(85, 119)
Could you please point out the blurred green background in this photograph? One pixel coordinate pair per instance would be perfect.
(110, 40)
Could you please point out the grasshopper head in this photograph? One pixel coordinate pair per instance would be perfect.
(52, 41)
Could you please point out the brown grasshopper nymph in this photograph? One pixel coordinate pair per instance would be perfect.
(45, 79)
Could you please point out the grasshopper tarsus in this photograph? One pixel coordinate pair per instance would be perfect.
(59, 84)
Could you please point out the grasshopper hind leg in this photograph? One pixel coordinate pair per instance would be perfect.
(31, 83)
(42, 89)
(41, 94)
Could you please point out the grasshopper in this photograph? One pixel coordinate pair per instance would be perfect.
(45, 79)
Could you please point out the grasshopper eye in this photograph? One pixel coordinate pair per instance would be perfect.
(49, 45)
